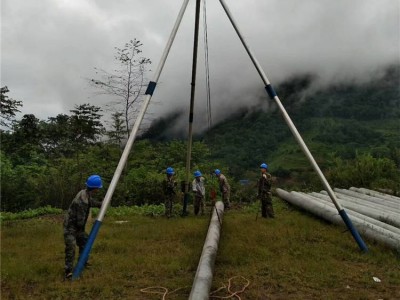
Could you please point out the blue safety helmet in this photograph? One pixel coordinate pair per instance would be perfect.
(217, 171)
(197, 173)
(170, 171)
(94, 182)
(264, 166)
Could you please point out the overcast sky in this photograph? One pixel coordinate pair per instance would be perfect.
(50, 47)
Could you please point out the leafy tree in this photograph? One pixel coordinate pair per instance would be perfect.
(57, 136)
(28, 129)
(7, 181)
(9, 107)
(24, 143)
(117, 133)
(365, 171)
(85, 124)
(64, 178)
(126, 83)
(63, 135)
(86, 128)
(21, 188)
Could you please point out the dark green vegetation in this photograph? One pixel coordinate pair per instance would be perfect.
(353, 132)
(294, 256)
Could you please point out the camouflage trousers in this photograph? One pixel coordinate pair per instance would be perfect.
(225, 199)
(198, 205)
(169, 202)
(73, 238)
(267, 209)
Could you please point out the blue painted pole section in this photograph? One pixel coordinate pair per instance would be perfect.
(272, 94)
(85, 254)
(150, 88)
(353, 230)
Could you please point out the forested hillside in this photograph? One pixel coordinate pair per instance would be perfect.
(352, 130)
(341, 122)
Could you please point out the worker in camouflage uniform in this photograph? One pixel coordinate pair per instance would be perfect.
(224, 188)
(75, 221)
(169, 185)
(199, 191)
(264, 192)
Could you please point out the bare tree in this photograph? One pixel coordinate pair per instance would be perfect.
(126, 83)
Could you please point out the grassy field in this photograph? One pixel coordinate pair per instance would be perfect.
(294, 256)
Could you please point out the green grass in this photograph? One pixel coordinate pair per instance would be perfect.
(294, 256)
(30, 213)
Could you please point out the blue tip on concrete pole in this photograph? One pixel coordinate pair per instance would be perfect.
(86, 251)
(272, 94)
(107, 199)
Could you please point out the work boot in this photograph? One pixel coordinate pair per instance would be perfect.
(227, 205)
(68, 275)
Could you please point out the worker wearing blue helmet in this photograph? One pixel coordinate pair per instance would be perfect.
(75, 221)
(199, 191)
(224, 188)
(264, 192)
(169, 185)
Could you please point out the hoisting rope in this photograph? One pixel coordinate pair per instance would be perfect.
(207, 68)
(232, 293)
(160, 290)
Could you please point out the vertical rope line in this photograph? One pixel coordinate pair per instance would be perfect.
(207, 68)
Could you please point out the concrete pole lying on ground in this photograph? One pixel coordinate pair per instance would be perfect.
(327, 211)
(203, 280)
(364, 202)
(384, 215)
(351, 212)
(376, 194)
(272, 94)
(373, 199)
(107, 199)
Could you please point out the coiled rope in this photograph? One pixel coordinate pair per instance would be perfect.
(228, 288)
(160, 290)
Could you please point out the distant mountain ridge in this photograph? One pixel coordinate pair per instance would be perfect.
(337, 121)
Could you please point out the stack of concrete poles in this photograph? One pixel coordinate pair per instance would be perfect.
(376, 215)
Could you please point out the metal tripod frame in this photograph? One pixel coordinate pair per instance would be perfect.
(149, 92)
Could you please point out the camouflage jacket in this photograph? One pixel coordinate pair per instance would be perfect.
(78, 211)
(224, 186)
(264, 184)
(170, 185)
(198, 187)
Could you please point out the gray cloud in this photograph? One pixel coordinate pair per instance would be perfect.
(49, 48)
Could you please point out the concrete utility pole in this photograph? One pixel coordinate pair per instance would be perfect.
(192, 94)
